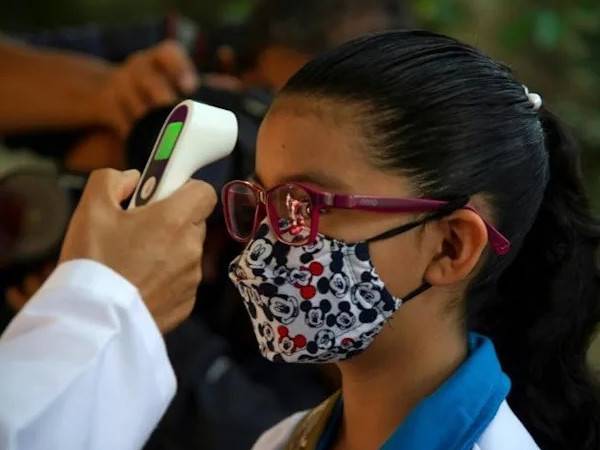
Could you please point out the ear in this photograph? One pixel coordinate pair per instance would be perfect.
(460, 240)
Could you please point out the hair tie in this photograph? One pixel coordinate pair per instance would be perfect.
(534, 99)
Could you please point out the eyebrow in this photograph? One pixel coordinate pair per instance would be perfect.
(318, 178)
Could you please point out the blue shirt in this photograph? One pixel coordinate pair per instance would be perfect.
(456, 414)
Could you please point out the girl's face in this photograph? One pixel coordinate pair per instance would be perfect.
(320, 145)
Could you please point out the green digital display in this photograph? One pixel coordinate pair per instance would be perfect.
(169, 138)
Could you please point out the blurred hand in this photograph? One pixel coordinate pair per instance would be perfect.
(99, 148)
(147, 79)
(157, 247)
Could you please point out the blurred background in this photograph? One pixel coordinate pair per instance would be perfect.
(233, 54)
(554, 46)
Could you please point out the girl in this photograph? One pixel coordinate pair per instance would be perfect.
(419, 219)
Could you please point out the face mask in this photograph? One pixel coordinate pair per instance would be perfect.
(318, 303)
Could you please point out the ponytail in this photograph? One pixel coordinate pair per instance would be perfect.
(548, 306)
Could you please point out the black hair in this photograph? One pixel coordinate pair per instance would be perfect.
(458, 124)
(313, 26)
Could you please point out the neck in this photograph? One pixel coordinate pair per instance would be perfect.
(382, 385)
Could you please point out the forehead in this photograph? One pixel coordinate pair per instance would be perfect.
(300, 139)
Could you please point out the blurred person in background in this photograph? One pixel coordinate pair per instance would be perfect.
(242, 65)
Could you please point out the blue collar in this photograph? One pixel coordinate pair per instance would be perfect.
(454, 416)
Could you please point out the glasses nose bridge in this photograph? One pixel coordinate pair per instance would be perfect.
(262, 197)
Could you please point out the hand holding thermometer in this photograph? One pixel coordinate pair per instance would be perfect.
(193, 136)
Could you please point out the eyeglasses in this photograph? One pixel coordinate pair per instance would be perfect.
(293, 210)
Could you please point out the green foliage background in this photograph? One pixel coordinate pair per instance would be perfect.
(553, 46)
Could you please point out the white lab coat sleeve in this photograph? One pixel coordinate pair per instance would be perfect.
(83, 365)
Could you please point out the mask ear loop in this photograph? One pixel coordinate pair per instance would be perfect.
(444, 211)
(424, 286)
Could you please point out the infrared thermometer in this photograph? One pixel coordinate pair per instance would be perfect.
(193, 136)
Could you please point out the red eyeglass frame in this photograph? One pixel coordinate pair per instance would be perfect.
(322, 199)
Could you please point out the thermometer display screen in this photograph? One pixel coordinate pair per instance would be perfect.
(167, 143)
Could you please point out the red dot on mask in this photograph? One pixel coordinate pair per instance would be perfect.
(308, 292)
(283, 331)
(316, 268)
(347, 342)
(300, 341)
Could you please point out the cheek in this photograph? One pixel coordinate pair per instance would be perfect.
(354, 226)
(399, 263)
(348, 226)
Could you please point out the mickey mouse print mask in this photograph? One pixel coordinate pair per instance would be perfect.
(312, 304)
